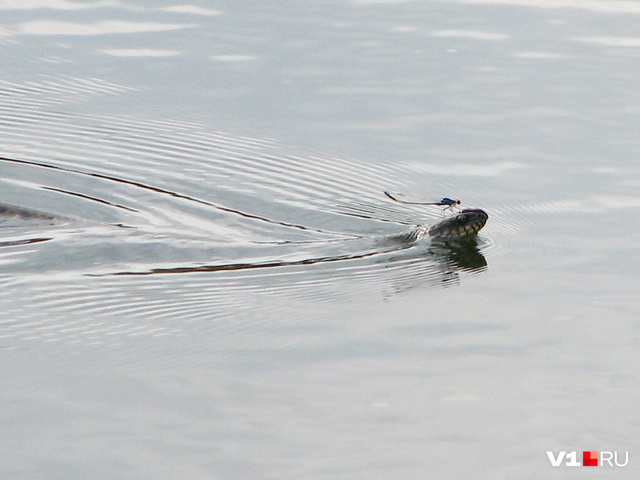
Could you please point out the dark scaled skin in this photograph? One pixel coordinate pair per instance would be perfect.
(459, 227)
(467, 223)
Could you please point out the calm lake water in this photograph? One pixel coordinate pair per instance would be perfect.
(193, 287)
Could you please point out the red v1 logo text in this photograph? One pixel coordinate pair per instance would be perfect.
(589, 459)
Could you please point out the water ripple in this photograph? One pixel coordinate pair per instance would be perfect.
(149, 222)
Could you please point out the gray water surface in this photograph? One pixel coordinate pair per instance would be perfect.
(189, 280)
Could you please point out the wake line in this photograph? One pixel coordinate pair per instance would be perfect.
(250, 266)
(170, 193)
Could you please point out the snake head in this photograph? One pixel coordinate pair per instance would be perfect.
(465, 224)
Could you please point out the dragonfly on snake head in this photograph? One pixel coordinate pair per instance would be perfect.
(446, 202)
